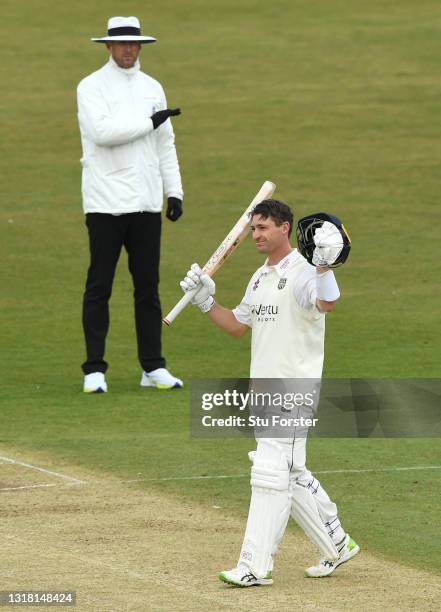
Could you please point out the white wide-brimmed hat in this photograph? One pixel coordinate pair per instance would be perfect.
(124, 29)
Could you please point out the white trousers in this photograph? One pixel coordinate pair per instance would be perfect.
(295, 453)
(269, 512)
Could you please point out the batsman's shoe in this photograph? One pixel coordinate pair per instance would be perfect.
(95, 383)
(325, 568)
(161, 379)
(242, 577)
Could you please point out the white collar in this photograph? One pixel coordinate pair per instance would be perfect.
(280, 267)
(128, 72)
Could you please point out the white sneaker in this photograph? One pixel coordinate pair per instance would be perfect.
(95, 383)
(161, 379)
(241, 576)
(325, 568)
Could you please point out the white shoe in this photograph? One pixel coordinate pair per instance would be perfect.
(241, 576)
(325, 568)
(95, 383)
(161, 379)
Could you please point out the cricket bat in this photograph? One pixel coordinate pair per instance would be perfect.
(226, 247)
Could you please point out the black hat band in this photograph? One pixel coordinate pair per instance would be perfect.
(124, 32)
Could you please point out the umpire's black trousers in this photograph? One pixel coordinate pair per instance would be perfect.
(140, 234)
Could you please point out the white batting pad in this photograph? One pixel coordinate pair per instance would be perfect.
(269, 507)
(304, 512)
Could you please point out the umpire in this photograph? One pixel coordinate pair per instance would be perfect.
(129, 161)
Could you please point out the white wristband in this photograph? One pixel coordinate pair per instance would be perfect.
(207, 304)
(327, 288)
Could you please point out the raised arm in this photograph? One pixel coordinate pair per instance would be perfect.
(327, 289)
(225, 319)
(203, 298)
(329, 243)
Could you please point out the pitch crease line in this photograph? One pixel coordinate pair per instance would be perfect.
(34, 486)
(74, 481)
(394, 469)
(40, 469)
(355, 471)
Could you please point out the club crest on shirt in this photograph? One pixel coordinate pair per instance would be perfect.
(282, 283)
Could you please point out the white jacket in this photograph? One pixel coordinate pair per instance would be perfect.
(127, 165)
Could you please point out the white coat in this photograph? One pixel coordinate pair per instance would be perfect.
(127, 165)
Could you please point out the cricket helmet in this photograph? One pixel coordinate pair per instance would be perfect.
(306, 228)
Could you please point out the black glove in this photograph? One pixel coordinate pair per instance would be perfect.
(174, 208)
(161, 116)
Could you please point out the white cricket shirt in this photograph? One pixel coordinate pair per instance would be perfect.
(288, 331)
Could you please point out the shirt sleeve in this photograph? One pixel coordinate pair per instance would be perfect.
(100, 126)
(242, 312)
(168, 159)
(305, 290)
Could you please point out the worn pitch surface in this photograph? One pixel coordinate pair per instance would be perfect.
(124, 547)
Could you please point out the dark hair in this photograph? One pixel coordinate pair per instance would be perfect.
(277, 211)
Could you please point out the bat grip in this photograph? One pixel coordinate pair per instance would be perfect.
(185, 299)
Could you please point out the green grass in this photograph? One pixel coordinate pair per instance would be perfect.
(337, 102)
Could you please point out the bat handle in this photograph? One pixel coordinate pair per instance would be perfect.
(185, 299)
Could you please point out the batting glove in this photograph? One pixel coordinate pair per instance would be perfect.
(328, 244)
(204, 285)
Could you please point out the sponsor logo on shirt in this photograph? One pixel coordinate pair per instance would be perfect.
(265, 312)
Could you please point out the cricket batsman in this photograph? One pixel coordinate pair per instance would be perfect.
(298, 287)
